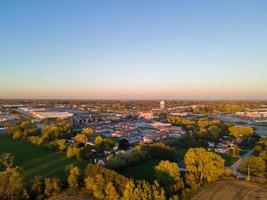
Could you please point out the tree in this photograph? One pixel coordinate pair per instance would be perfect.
(261, 148)
(255, 164)
(241, 131)
(104, 143)
(117, 162)
(6, 159)
(110, 192)
(98, 140)
(11, 183)
(95, 186)
(72, 151)
(88, 131)
(124, 144)
(167, 172)
(55, 131)
(107, 175)
(168, 175)
(73, 177)
(52, 186)
(61, 144)
(80, 138)
(214, 131)
(161, 151)
(235, 150)
(141, 190)
(202, 166)
(37, 187)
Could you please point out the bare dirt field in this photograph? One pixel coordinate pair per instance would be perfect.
(231, 189)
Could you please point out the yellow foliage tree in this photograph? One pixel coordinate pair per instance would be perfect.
(202, 166)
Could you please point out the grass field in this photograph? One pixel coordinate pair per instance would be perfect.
(35, 160)
(144, 170)
(231, 189)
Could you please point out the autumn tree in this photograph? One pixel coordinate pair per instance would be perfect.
(104, 143)
(11, 183)
(110, 192)
(73, 177)
(37, 188)
(88, 131)
(202, 166)
(52, 186)
(261, 148)
(241, 131)
(141, 190)
(97, 177)
(72, 151)
(168, 175)
(80, 138)
(256, 165)
(95, 186)
(6, 159)
(55, 131)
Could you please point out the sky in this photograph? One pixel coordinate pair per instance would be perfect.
(141, 49)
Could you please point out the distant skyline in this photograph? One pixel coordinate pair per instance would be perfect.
(113, 49)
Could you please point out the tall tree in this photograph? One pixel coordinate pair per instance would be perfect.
(168, 175)
(73, 178)
(202, 166)
(37, 187)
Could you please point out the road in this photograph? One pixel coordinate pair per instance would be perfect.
(235, 166)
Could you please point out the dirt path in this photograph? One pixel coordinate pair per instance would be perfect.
(231, 189)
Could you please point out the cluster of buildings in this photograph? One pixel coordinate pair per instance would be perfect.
(224, 146)
(250, 118)
(138, 130)
(254, 113)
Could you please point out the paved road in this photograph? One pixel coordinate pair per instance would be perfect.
(235, 166)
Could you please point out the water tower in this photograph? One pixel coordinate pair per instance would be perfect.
(162, 105)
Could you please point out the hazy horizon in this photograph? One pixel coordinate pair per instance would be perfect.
(152, 50)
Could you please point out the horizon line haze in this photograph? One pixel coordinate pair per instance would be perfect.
(133, 50)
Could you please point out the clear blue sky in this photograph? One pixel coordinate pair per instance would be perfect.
(137, 49)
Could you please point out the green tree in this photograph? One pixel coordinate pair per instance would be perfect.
(214, 131)
(202, 166)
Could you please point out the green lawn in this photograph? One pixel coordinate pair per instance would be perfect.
(35, 160)
(143, 170)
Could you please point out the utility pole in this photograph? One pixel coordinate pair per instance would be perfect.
(248, 177)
